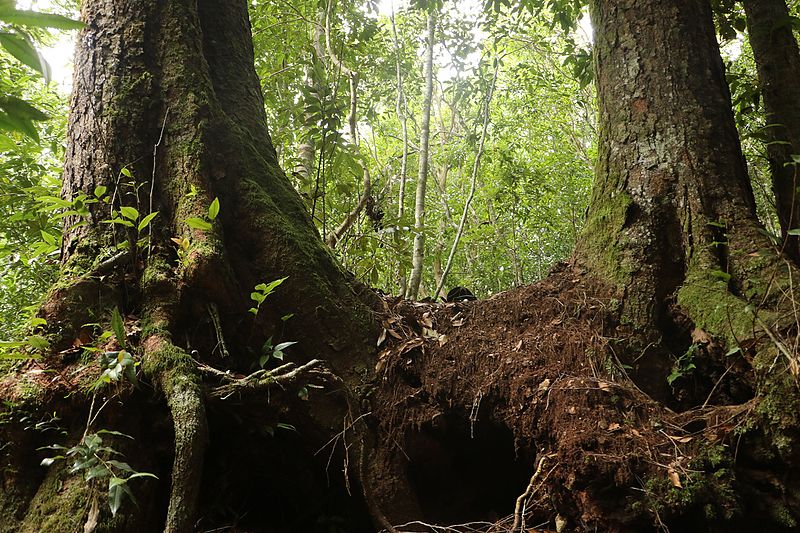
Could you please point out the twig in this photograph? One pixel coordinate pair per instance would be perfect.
(212, 310)
(518, 513)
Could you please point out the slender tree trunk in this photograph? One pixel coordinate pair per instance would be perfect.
(777, 58)
(402, 108)
(422, 177)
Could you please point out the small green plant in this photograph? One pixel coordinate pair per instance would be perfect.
(204, 223)
(261, 291)
(269, 352)
(115, 364)
(684, 365)
(94, 460)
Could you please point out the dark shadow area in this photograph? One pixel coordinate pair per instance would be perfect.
(464, 472)
(262, 478)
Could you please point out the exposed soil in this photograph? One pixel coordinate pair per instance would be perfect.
(528, 392)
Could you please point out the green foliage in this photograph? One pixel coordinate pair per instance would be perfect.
(94, 460)
(261, 291)
(16, 114)
(684, 365)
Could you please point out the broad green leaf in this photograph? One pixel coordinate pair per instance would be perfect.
(125, 172)
(116, 491)
(146, 220)
(282, 346)
(117, 326)
(22, 125)
(795, 231)
(38, 342)
(129, 212)
(213, 209)
(22, 49)
(20, 108)
(100, 190)
(39, 20)
(198, 223)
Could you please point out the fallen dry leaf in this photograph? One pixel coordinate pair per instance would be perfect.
(381, 337)
(674, 477)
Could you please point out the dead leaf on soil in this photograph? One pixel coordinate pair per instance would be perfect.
(442, 340)
(544, 385)
(682, 440)
(426, 320)
(614, 427)
(410, 344)
(381, 337)
(674, 477)
(699, 336)
(518, 346)
(430, 333)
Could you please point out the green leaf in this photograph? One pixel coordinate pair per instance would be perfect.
(125, 172)
(38, 342)
(143, 474)
(39, 20)
(129, 212)
(213, 209)
(795, 231)
(48, 238)
(100, 190)
(257, 296)
(282, 346)
(97, 471)
(117, 489)
(146, 220)
(118, 326)
(20, 108)
(198, 223)
(22, 49)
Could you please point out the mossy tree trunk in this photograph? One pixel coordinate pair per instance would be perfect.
(672, 215)
(167, 116)
(778, 62)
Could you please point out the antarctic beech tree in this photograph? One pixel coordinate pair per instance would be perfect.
(545, 404)
(777, 58)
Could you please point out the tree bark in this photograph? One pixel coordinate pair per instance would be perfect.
(672, 209)
(418, 254)
(778, 63)
(179, 76)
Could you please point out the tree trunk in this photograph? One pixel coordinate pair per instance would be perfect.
(778, 63)
(167, 116)
(672, 209)
(418, 254)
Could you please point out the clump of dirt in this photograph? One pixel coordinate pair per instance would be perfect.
(525, 402)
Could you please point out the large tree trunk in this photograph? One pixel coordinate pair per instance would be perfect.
(167, 115)
(778, 62)
(672, 210)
